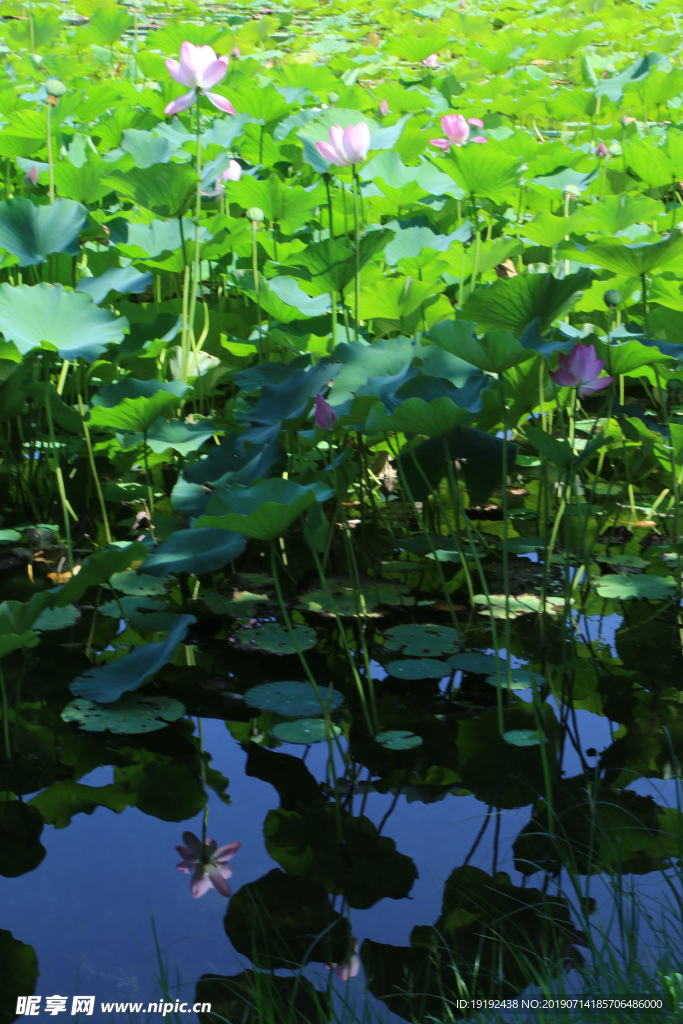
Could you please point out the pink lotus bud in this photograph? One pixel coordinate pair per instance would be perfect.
(625, 120)
(325, 416)
(31, 176)
(432, 61)
(383, 108)
(601, 150)
(235, 53)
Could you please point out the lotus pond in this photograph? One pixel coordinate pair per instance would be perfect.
(341, 413)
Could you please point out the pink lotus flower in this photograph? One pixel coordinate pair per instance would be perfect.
(601, 150)
(349, 968)
(432, 61)
(31, 176)
(383, 108)
(581, 369)
(325, 416)
(235, 53)
(346, 146)
(233, 173)
(458, 131)
(199, 69)
(208, 864)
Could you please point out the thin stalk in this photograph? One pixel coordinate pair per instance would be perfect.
(51, 169)
(93, 469)
(150, 489)
(66, 508)
(357, 243)
(5, 715)
(254, 263)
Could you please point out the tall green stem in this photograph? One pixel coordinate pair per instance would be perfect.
(197, 262)
(51, 169)
(93, 470)
(356, 219)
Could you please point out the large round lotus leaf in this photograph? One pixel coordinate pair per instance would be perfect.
(345, 600)
(422, 641)
(31, 315)
(398, 739)
(625, 588)
(32, 232)
(292, 699)
(520, 604)
(264, 510)
(276, 639)
(138, 584)
(197, 551)
(57, 618)
(133, 713)
(305, 730)
(419, 668)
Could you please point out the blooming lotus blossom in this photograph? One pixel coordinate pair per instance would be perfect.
(208, 864)
(383, 108)
(581, 369)
(232, 173)
(458, 131)
(31, 176)
(325, 416)
(349, 968)
(199, 69)
(601, 150)
(346, 146)
(432, 61)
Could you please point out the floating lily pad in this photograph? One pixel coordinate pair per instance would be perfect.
(422, 641)
(524, 737)
(475, 661)
(305, 730)
(133, 713)
(520, 679)
(628, 561)
(241, 605)
(130, 604)
(348, 602)
(398, 739)
(418, 668)
(626, 588)
(276, 639)
(292, 699)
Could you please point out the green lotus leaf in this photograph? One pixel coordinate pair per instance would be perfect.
(32, 232)
(422, 640)
(341, 598)
(292, 699)
(177, 434)
(305, 730)
(133, 713)
(33, 315)
(495, 352)
(197, 551)
(627, 588)
(137, 584)
(98, 567)
(418, 668)
(273, 638)
(57, 618)
(519, 679)
(398, 739)
(104, 684)
(415, 416)
(512, 305)
(630, 260)
(134, 405)
(165, 189)
(264, 510)
(524, 737)
(482, 170)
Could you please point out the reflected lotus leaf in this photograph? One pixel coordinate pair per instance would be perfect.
(284, 921)
(20, 847)
(18, 973)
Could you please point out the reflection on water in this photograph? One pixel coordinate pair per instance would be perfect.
(455, 833)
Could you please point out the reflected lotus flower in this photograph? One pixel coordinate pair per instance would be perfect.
(199, 69)
(581, 369)
(432, 61)
(31, 176)
(346, 146)
(348, 968)
(208, 864)
(325, 416)
(458, 131)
